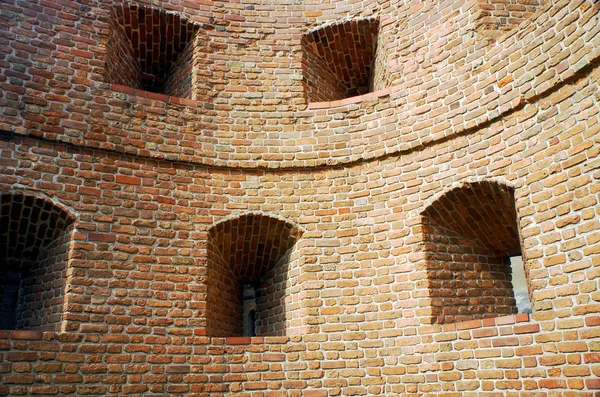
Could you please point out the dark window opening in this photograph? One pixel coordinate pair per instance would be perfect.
(10, 283)
(250, 295)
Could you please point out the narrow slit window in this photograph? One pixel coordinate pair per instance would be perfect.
(519, 283)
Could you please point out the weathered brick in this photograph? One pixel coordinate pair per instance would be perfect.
(161, 162)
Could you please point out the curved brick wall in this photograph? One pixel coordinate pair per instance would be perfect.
(369, 180)
(237, 122)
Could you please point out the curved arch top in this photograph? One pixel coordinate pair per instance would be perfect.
(35, 236)
(15, 190)
(231, 217)
(249, 258)
(482, 211)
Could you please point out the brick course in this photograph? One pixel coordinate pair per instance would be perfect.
(464, 148)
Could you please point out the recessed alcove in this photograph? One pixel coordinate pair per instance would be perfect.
(338, 60)
(34, 240)
(470, 234)
(151, 49)
(248, 265)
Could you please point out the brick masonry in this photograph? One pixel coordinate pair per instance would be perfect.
(339, 60)
(469, 233)
(252, 249)
(34, 242)
(499, 16)
(151, 49)
(360, 191)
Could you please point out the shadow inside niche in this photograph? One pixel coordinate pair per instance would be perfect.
(470, 233)
(247, 281)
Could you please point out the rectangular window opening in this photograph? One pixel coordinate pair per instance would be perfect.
(519, 282)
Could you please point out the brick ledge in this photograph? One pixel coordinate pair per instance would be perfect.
(489, 323)
(351, 100)
(153, 95)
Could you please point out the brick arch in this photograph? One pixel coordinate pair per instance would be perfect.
(252, 249)
(469, 232)
(35, 234)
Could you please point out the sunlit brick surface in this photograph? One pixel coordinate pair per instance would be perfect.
(387, 215)
(499, 16)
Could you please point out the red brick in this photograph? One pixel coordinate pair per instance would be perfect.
(106, 238)
(526, 329)
(485, 332)
(138, 194)
(508, 341)
(26, 335)
(177, 369)
(314, 393)
(129, 180)
(468, 324)
(592, 383)
(235, 340)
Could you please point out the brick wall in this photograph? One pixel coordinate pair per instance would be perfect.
(181, 79)
(508, 354)
(464, 281)
(218, 136)
(148, 176)
(322, 83)
(469, 233)
(251, 249)
(499, 16)
(122, 64)
(151, 49)
(224, 296)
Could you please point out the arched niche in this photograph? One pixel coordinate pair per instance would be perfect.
(248, 260)
(469, 235)
(35, 234)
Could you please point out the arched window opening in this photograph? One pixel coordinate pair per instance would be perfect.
(34, 240)
(470, 233)
(248, 259)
